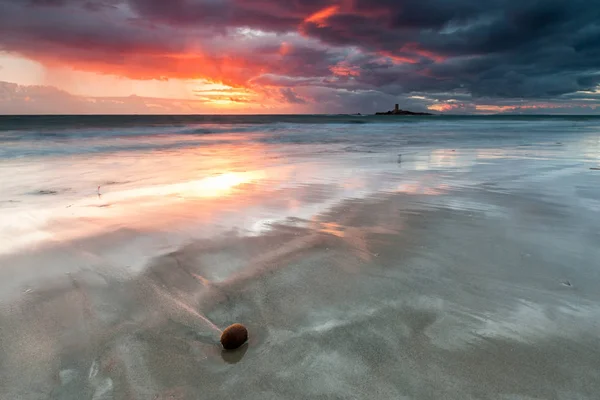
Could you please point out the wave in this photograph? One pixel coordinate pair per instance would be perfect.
(62, 122)
(53, 124)
(68, 135)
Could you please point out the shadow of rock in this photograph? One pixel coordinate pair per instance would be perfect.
(234, 356)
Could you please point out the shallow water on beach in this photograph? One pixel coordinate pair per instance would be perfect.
(426, 258)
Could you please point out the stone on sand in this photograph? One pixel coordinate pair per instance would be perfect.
(234, 336)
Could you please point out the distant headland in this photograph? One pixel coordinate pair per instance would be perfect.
(397, 111)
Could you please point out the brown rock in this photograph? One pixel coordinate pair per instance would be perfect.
(234, 336)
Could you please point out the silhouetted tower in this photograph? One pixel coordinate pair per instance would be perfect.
(396, 109)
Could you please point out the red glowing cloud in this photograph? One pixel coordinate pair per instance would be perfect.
(320, 17)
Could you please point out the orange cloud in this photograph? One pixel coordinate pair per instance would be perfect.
(415, 49)
(452, 105)
(285, 48)
(344, 69)
(320, 17)
(535, 106)
(442, 107)
(399, 59)
(231, 70)
(492, 108)
(411, 53)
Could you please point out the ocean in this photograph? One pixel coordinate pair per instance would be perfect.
(441, 257)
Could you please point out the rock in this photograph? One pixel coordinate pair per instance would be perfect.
(402, 112)
(398, 111)
(234, 336)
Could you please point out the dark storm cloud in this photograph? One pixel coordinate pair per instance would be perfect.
(531, 49)
(271, 15)
(495, 48)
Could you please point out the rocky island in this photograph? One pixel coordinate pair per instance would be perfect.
(397, 111)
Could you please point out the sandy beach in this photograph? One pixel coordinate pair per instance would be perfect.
(467, 268)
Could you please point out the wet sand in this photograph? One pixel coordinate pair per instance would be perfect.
(398, 304)
(473, 278)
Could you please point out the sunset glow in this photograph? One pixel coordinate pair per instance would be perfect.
(136, 56)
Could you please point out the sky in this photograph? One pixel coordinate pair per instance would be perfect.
(299, 56)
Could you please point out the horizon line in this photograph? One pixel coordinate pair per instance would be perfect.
(298, 114)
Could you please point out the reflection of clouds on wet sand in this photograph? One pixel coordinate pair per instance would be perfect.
(438, 278)
(370, 298)
(179, 188)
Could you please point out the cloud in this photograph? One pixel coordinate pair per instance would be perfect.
(365, 50)
(290, 96)
(38, 99)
